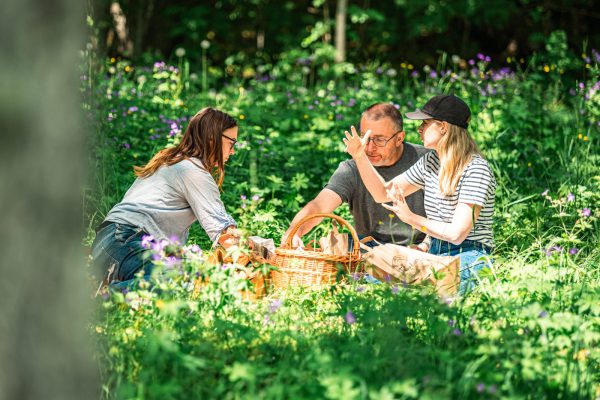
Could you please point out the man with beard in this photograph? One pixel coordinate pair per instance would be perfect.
(391, 156)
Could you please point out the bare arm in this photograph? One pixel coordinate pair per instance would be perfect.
(454, 232)
(375, 184)
(325, 202)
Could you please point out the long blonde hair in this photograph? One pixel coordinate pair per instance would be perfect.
(455, 149)
(202, 139)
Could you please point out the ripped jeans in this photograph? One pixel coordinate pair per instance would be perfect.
(117, 254)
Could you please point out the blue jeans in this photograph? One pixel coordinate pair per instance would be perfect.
(117, 254)
(469, 252)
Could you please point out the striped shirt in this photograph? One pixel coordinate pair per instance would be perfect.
(476, 185)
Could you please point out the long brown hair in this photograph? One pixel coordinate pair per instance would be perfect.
(202, 139)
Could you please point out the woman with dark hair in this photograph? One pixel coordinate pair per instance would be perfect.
(458, 182)
(177, 187)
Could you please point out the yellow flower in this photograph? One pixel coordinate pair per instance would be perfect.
(391, 216)
(581, 355)
(546, 68)
(242, 116)
(424, 228)
(580, 136)
(410, 66)
(112, 60)
(160, 303)
(330, 118)
(99, 329)
(305, 116)
(585, 138)
(403, 65)
(529, 164)
(127, 68)
(508, 59)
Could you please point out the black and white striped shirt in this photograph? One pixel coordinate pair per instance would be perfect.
(476, 185)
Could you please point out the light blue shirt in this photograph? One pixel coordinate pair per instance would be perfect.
(166, 203)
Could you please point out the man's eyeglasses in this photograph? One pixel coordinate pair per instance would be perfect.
(233, 141)
(381, 141)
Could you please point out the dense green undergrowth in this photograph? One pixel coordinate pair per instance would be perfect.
(530, 330)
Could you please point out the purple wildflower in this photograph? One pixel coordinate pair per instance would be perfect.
(543, 314)
(147, 241)
(451, 322)
(266, 320)
(195, 248)
(456, 332)
(570, 197)
(172, 261)
(310, 106)
(350, 318)
(255, 197)
(395, 289)
(275, 305)
(557, 249)
(573, 251)
(433, 74)
(586, 212)
(414, 74)
(360, 288)
(105, 296)
(355, 276)
(492, 389)
(243, 197)
(127, 145)
(480, 387)
(133, 109)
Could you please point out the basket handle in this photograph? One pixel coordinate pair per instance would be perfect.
(342, 221)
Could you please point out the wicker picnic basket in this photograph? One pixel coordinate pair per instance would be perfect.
(312, 267)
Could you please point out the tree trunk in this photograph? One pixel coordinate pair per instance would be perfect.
(340, 31)
(45, 349)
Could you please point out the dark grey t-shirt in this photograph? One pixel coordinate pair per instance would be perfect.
(370, 218)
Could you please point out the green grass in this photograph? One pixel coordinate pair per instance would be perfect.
(530, 330)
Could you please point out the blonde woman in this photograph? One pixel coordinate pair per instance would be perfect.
(178, 186)
(458, 182)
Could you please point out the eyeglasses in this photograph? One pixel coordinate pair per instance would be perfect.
(381, 141)
(233, 141)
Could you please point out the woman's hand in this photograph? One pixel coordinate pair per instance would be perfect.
(355, 145)
(399, 206)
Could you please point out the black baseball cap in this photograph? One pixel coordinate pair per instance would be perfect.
(445, 107)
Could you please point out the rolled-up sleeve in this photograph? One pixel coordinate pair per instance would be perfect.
(202, 193)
